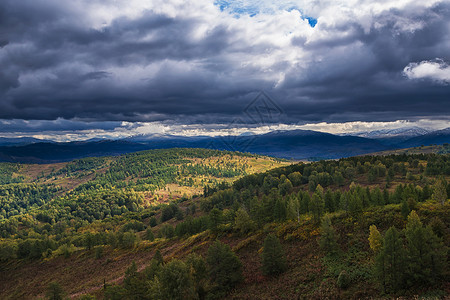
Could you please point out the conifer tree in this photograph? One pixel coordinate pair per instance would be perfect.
(390, 262)
(176, 282)
(293, 208)
(317, 204)
(273, 259)
(328, 238)
(243, 222)
(425, 252)
(439, 192)
(224, 268)
(55, 291)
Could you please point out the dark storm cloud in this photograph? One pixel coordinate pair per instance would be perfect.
(154, 67)
(35, 126)
(362, 79)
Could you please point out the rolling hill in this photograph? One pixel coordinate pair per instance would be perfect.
(131, 226)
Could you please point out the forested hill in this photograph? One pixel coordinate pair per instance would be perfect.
(154, 176)
(360, 227)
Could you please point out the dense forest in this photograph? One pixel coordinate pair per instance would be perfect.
(369, 226)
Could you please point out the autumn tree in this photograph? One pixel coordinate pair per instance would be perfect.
(375, 239)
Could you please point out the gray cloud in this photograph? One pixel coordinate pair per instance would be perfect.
(59, 62)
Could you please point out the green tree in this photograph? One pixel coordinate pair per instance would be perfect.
(242, 222)
(133, 283)
(128, 240)
(405, 209)
(176, 282)
(167, 231)
(215, 219)
(55, 291)
(317, 204)
(279, 211)
(295, 178)
(273, 259)
(224, 268)
(389, 263)
(199, 273)
(439, 192)
(328, 237)
(293, 208)
(158, 257)
(425, 252)
(153, 222)
(149, 236)
(285, 187)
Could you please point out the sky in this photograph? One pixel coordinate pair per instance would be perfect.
(81, 69)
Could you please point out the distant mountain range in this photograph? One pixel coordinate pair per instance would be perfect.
(20, 141)
(292, 144)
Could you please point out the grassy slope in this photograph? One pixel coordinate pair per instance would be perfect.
(309, 274)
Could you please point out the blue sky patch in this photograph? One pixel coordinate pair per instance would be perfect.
(252, 8)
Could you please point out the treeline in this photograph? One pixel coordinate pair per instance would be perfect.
(6, 173)
(154, 169)
(84, 164)
(19, 198)
(78, 208)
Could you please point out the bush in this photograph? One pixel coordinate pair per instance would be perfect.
(149, 236)
(167, 231)
(343, 280)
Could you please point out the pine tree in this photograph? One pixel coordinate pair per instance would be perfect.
(176, 282)
(224, 268)
(149, 236)
(279, 211)
(243, 222)
(215, 219)
(55, 291)
(389, 263)
(439, 192)
(199, 273)
(158, 257)
(405, 209)
(293, 208)
(273, 259)
(317, 204)
(424, 252)
(328, 238)
(133, 283)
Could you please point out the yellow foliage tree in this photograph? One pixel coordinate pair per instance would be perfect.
(375, 239)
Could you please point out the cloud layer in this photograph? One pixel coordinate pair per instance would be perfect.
(202, 62)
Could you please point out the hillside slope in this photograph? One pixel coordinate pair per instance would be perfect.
(71, 243)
